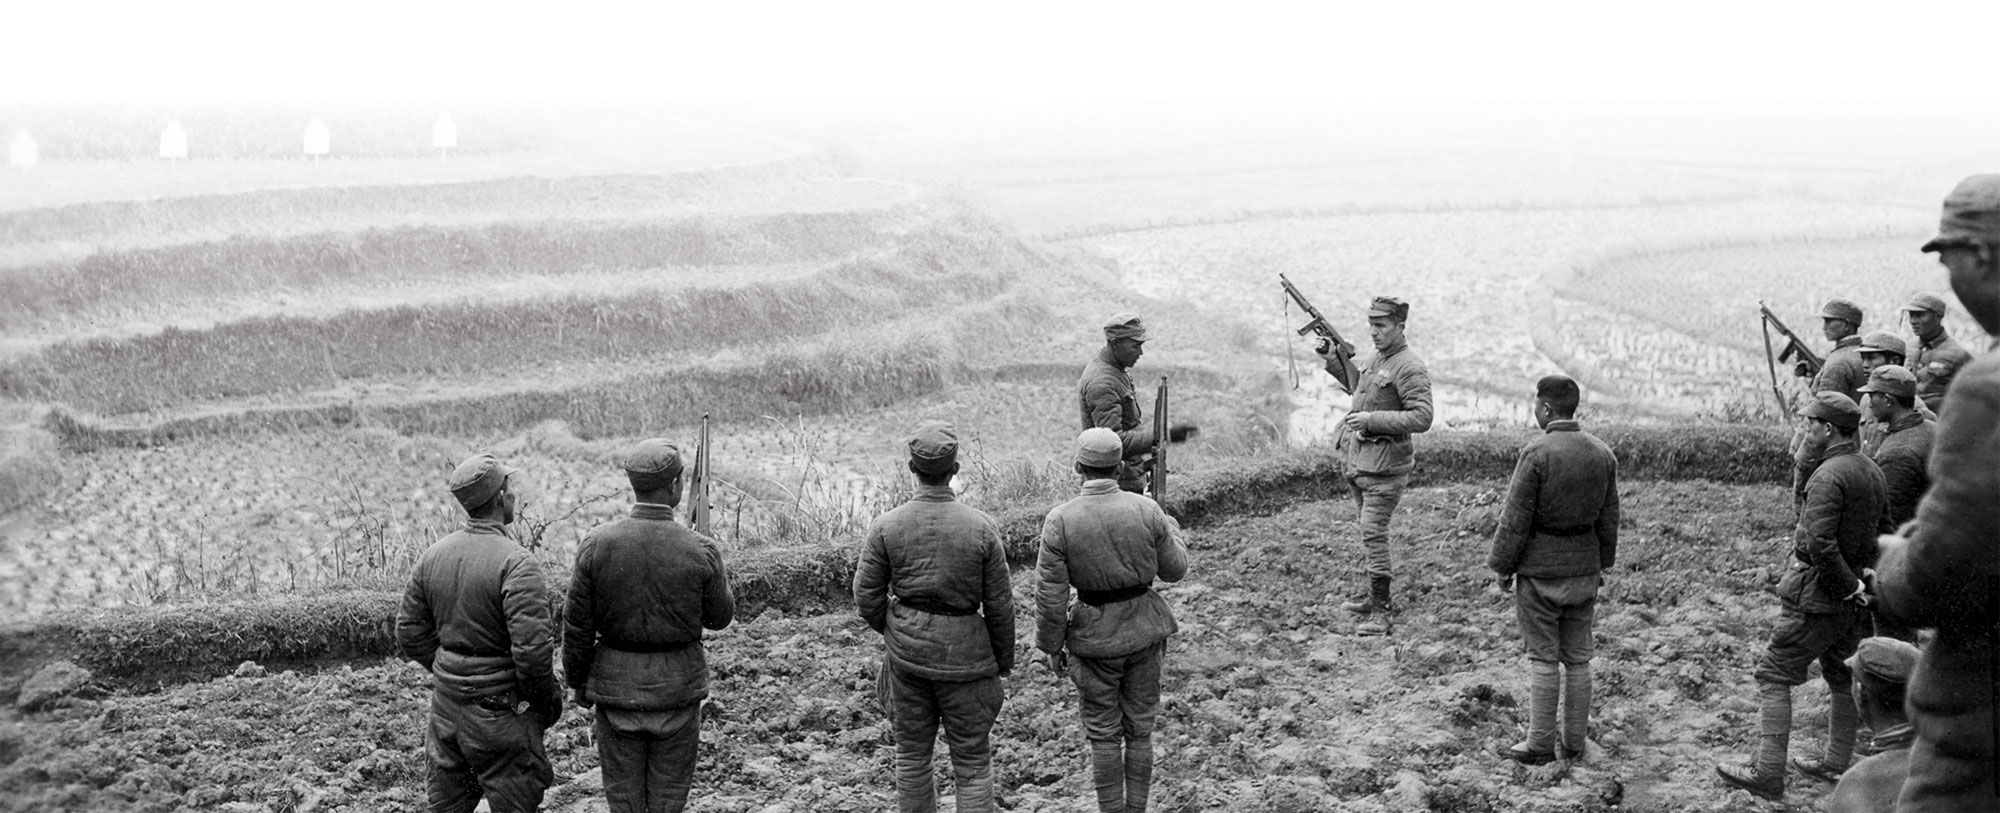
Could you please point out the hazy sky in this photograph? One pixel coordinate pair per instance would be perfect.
(1597, 57)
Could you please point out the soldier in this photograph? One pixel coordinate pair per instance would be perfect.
(1881, 672)
(1557, 534)
(1939, 357)
(1110, 546)
(943, 563)
(476, 614)
(1392, 401)
(1944, 575)
(1824, 602)
(1904, 449)
(1844, 373)
(1107, 399)
(1882, 348)
(644, 588)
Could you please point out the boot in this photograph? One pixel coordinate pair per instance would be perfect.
(1138, 773)
(1379, 609)
(1107, 772)
(1765, 775)
(1363, 602)
(1575, 710)
(1842, 718)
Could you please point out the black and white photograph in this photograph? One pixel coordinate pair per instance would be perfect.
(802, 407)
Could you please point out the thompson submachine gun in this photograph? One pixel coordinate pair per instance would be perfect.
(1342, 350)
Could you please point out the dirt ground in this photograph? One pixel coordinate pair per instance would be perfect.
(1271, 702)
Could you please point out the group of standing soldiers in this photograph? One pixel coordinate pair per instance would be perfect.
(1922, 459)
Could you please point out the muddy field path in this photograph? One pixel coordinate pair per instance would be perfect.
(1270, 703)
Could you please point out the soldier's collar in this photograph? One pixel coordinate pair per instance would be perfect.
(1847, 342)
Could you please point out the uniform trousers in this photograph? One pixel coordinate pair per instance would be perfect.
(918, 706)
(477, 750)
(1377, 496)
(648, 757)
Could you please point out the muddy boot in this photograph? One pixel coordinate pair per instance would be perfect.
(1539, 748)
(1138, 773)
(1575, 709)
(1107, 773)
(1841, 720)
(1764, 776)
(1379, 610)
(1362, 603)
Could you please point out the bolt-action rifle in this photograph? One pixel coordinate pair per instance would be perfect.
(1161, 435)
(1342, 351)
(698, 506)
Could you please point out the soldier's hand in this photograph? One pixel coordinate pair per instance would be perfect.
(1357, 421)
(583, 699)
(1323, 346)
(1058, 662)
(1180, 432)
(1802, 369)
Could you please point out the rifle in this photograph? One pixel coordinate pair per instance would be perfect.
(1160, 435)
(698, 507)
(1342, 350)
(1795, 347)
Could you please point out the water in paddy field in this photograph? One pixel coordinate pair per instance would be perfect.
(1321, 406)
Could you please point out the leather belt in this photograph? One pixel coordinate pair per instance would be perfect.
(933, 607)
(473, 653)
(1566, 530)
(1099, 598)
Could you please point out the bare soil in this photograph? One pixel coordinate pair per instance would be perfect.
(1271, 702)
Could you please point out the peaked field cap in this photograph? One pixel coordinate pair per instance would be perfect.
(1388, 306)
(1099, 448)
(1885, 659)
(1893, 379)
(1125, 326)
(478, 479)
(1926, 302)
(1834, 408)
(653, 456)
(934, 445)
(1838, 308)
(1882, 341)
(1971, 214)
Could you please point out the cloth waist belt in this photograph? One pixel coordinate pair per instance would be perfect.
(1564, 530)
(1099, 598)
(474, 653)
(933, 607)
(644, 647)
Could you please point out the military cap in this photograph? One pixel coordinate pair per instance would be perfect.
(1893, 379)
(1841, 309)
(1882, 341)
(653, 464)
(1926, 302)
(478, 480)
(1389, 306)
(1971, 214)
(1834, 408)
(1886, 659)
(1099, 448)
(1125, 326)
(934, 447)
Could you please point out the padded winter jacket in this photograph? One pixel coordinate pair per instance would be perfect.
(1106, 540)
(1936, 362)
(1395, 391)
(476, 612)
(1843, 372)
(1943, 577)
(1561, 518)
(1107, 398)
(942, 563)
(1904, 455)
(645, 587)
(1835, 536)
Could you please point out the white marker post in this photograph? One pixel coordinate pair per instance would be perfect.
(444, 135)
(174, 142)
(23, 152)
(318, 141)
